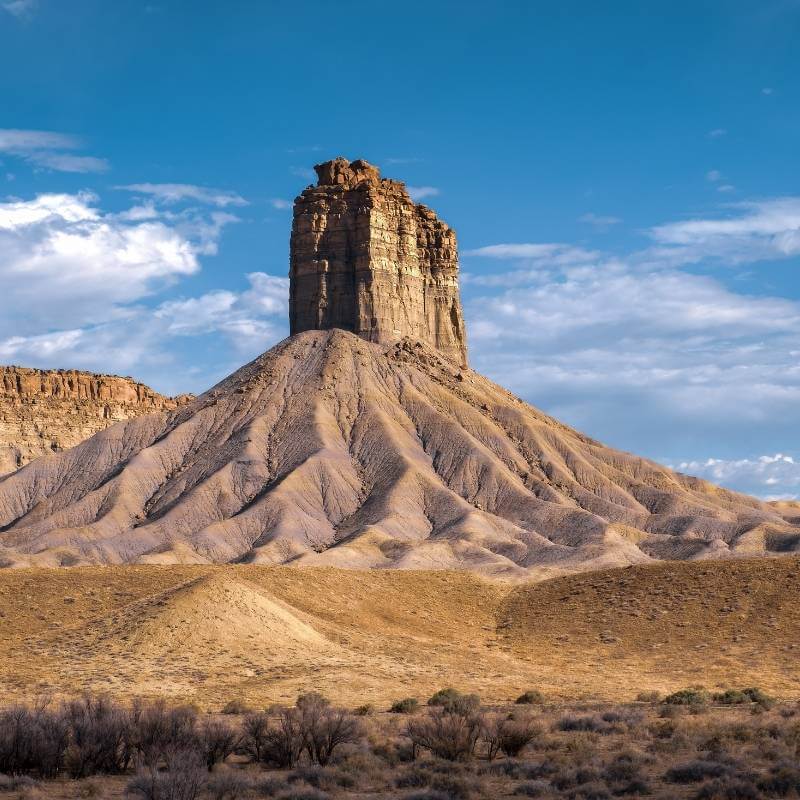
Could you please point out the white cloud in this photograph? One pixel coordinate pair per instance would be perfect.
(44, 345)
(177, 192)
(716, 133)
(239, 314)
(281, 205)
(770, 476)
(553, 253)
(626, 349)
(599, 221)
(421, 192)
(63, 261)
(21, 8)
(43, 149)
(726, 187)
(713, 175)
(753, 231)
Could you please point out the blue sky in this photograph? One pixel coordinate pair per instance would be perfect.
(623, 179)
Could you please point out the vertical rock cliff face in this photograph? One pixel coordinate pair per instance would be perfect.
(44, 411)
(367, 259)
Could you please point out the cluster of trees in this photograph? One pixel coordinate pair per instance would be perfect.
(94, 735)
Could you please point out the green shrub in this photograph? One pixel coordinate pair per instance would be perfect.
(736, 697)
(235, 707)
(530, 698)
(408, 705)
(452, 700)
(694, 696)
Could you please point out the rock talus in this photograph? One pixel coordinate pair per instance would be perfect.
(367, 259)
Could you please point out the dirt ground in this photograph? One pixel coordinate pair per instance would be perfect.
(211, 634)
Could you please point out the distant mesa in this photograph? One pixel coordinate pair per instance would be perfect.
(46, 411)
(367, 259)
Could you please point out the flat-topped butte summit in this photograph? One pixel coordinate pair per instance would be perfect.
(363, 440)
(367, 259)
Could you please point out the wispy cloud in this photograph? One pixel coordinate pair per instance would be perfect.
(552, 252)
(22, 9)
(767, 90)
(280, 204)
(716, 133)
(599, 221)
(46, 150)
(626, 347)
(770, 476)
(751, 231)
(713, 175)
(303, 172)
(177, 192)
(421, 192)
(63, 260)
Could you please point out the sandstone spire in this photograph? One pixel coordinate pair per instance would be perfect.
(366, 258)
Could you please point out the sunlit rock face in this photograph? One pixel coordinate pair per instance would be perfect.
(367, 259)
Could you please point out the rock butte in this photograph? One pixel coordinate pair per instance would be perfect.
(45, 411)
(373, 450)
(365, 258)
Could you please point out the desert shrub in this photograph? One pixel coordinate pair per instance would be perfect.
(324, 728)
(694, 696)
(216, 741)
(228, 785)
(16, 783)
(322, 777)
(408, 705)
(740, 696)
(589, 791)
(782, 780)
(571, 778)
(447, 732)
(236, 706)
(184, 780)
(637, 787)
(695, 771)
(32, 740)
(729, 789)
(301, 793)
(623, 767)
(453, 701)
(455, 787)
(161, 733)
(426, 794)
(364, 711)
(520, 770)
(531, 789)
(270, 787)
(255, 729)
(100, 737)
(648, 697)
(530, 698)
(284, 741)
(508, 734)
(591, 723)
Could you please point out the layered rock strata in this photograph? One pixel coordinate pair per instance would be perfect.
(367, 259)
(45, 411)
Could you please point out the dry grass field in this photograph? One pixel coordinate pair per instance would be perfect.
(210, 634)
